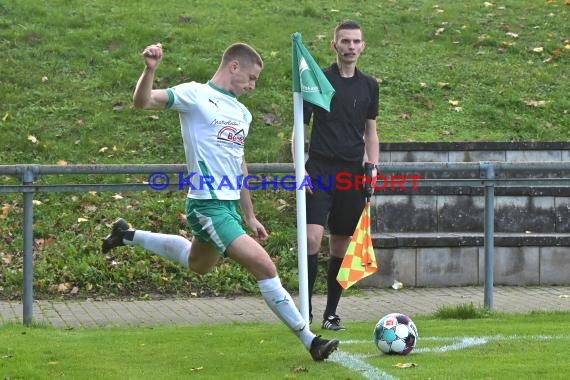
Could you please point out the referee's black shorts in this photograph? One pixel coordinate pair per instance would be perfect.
(337, 200)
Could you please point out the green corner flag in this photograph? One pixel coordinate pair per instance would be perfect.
(308, 78)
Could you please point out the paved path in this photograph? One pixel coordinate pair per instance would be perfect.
(370, 304)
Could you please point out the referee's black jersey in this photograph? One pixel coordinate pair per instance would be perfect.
(338, 135)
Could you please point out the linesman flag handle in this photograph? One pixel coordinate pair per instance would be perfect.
(368, 189)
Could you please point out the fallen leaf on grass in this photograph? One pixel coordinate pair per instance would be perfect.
(8, 239)
(405, 365)
(535, 103)
(282, 204)
(6, 258)
(64, 287)
(538, 49)
(196, 369)
(42, 243)
(6, 116)
(33, 139)
(89, 208)
(269, 118)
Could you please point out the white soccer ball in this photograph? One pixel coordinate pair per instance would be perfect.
(395, 333)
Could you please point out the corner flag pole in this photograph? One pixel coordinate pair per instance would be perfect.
(311, 85)
(301, 202)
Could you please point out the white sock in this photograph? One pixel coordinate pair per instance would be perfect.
(281, 303)
(172, 247)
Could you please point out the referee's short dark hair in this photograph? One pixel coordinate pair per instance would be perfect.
(346, 24)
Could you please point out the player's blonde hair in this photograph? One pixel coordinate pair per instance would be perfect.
(243, 53)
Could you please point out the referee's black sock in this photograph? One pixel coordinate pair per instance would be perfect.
(334, 290)
(312, 269)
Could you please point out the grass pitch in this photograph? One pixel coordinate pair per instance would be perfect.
(496, 346)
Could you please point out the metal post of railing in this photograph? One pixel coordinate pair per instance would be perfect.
(28, 177)
(489, 241)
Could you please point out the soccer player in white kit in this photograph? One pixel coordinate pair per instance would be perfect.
(214, 126)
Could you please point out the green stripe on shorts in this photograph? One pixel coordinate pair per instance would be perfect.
(214, 221)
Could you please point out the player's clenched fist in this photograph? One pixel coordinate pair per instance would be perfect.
(152, 55)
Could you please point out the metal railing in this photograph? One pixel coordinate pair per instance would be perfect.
(481, 174)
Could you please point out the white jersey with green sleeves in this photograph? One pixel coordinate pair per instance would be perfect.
(214, 127)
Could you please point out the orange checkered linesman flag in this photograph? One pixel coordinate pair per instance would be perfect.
(360, 259)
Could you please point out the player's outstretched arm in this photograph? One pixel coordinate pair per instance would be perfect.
(144, 96)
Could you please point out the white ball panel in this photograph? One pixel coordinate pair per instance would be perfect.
(383, 346)
(402, 331)
(398, 345)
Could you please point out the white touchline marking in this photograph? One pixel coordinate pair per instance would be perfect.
(371, 341)
(355, 363)
(464, 343)
(459, 338)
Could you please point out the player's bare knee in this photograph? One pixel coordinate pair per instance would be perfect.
(266, 269)
(265, 274)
